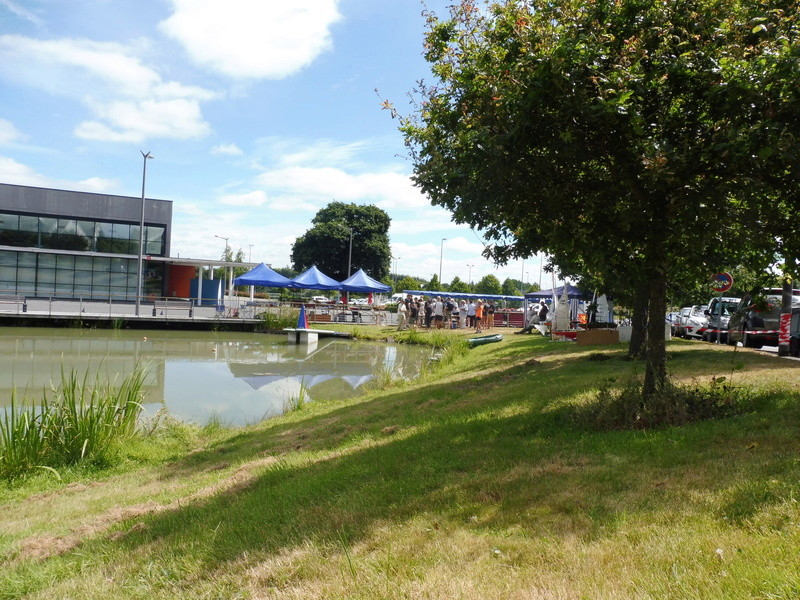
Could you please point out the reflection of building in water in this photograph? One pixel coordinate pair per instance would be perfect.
(34, 363)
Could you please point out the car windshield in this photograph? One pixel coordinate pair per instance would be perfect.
(727, 307)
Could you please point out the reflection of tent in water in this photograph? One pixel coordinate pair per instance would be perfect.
(355, 381)
(294, 383)
(334, 370)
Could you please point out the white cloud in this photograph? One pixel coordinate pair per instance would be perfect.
(227, 149)
(21, 12)
(321, 152)
(256, 198)
(9, 133)
(194, 229)
(386, 190)
(146, 119)
(247, 39)
(128, 100)
(14, 172)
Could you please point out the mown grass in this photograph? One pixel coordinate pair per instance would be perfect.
(474, 483)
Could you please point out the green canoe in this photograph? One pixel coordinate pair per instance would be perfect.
(484, 339)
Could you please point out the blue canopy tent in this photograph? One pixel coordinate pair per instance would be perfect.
(264, 276)
(314, 279)
(362, 283)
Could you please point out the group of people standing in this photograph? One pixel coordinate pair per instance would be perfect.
(439, 312)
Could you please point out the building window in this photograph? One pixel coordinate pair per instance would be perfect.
(79, 236)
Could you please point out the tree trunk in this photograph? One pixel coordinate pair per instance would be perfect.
(656, 371)
(639, 322)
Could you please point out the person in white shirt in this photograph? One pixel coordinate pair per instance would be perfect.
(401, 314)
(438, 313)
(471, 313)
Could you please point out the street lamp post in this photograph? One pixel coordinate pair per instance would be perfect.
(250, 254)
(225, 257)
(441, 253)
(470, 275)
(540, 273)
(350, 254)
(139, 278)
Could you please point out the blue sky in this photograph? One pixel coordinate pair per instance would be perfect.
(258, 113)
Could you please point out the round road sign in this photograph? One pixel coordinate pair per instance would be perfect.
(722, 282)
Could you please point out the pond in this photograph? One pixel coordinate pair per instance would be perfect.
(238, 378)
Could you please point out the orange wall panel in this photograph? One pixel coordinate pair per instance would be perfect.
(180, 277)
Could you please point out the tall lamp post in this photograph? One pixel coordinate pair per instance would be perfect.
(225, 278)
(350, 253)
(139, 278)
(540, 273)
(441, 253)
(470, 275)
(349, 256)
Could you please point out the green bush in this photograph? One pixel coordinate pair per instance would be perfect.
(627, 407)
(275, 322)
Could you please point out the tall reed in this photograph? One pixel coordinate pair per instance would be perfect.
(295, 402)
(90, 418)
(22, 439)
(78, 421)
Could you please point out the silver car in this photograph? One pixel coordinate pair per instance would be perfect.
(719, 313)
(695, 325)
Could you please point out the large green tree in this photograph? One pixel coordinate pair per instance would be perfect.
(640, 140)
(406, 282)
(327, 243)
(459, 286)
(512, 287)
(489, 284)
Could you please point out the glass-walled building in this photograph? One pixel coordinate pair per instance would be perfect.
(74, 244)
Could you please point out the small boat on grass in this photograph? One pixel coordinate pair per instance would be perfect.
(484, 339)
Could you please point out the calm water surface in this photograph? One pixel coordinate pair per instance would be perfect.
(240, 378)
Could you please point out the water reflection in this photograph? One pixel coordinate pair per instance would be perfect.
(237, 377)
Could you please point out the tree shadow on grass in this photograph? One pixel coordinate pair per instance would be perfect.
(471, 465)
(550, 373)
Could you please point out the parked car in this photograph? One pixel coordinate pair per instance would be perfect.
(794, 344)
(719, 313)
(677, 325)
(320, 299)
(756, 320)
(695, 325)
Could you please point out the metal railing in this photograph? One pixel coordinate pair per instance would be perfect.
(65, 304)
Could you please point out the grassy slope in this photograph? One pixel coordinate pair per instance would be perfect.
(470, 484)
